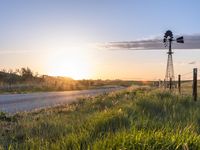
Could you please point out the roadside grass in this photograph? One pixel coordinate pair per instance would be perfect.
(140, 118)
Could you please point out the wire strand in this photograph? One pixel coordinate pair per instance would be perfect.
(186, 74)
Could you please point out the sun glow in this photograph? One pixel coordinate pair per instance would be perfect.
(71, 62)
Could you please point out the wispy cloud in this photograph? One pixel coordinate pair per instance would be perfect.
(192, 63)
(190, 42)
(15, 51)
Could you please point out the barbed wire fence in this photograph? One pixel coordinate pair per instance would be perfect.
(188, 83)
(185, 84)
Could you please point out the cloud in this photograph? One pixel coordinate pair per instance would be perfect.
(15, 51)
(190, 42)
(191, 63)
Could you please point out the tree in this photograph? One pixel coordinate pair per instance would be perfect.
(26, 73)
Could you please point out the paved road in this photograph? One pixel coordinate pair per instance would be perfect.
(13, 103)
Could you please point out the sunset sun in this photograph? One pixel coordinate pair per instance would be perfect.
(72, 62)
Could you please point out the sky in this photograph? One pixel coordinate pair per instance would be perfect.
(65, 37)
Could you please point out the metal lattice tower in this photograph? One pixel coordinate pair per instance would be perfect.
(169, 76)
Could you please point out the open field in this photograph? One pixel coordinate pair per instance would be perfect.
(127, 119)
(24, 81)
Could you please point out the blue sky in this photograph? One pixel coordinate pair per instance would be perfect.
(31, 32)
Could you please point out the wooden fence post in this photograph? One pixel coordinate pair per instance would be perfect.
(179, 84)
(194, 93)
(170, 84)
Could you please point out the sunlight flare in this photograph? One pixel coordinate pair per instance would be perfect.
(73, 62)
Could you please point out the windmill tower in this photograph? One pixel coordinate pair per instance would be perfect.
(169, 76)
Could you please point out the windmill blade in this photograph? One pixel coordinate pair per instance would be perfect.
(191, 42)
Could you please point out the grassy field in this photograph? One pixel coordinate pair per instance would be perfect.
(140, 118)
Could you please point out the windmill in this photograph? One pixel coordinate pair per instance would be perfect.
(154, 44)
(169, 76)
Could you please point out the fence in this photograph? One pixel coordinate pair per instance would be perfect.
(187, 84)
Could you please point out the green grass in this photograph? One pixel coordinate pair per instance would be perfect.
(128, 119)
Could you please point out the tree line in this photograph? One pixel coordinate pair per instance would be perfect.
(25, 80)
